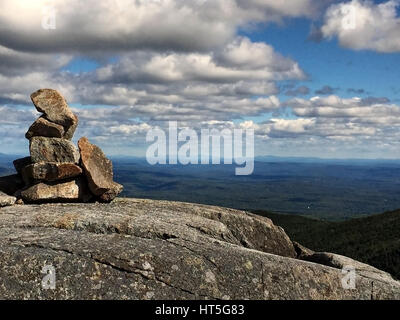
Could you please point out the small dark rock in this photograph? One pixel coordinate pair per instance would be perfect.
(20, 202)
(301, 251)
(112, 193)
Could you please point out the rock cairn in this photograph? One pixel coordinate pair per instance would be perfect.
(58, 171)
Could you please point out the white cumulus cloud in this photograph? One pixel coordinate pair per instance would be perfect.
(364, 25)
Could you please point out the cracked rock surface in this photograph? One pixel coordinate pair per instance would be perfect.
(145, 249)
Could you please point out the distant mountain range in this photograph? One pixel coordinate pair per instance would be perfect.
(330, 161)
(321, 188)
(331, 191)
(4, 156)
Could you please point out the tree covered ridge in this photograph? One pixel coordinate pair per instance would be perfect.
(374, 240)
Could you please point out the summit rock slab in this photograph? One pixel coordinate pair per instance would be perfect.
(162, 250)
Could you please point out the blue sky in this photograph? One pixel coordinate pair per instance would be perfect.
(293, 71)
(329, 64)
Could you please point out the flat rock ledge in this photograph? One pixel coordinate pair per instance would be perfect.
(144, 249)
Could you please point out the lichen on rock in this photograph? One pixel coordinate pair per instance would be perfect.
(146, 249)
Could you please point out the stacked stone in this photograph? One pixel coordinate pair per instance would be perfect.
(56, 170)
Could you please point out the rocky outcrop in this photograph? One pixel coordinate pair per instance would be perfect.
(143, 249)
(52, 172)
(340, 262)
(98, 170)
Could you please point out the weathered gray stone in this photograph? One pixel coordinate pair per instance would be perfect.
(44, 128)
(72, 191)
(55, 108)
(21, 163)
(143, 249)
(6, 200)
(11, 184)
(49, 171)
(53, 150)
(98, 170)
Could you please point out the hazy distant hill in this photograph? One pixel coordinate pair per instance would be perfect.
(6, 164)
(374, 240)
(329, 161)
(328, 189)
